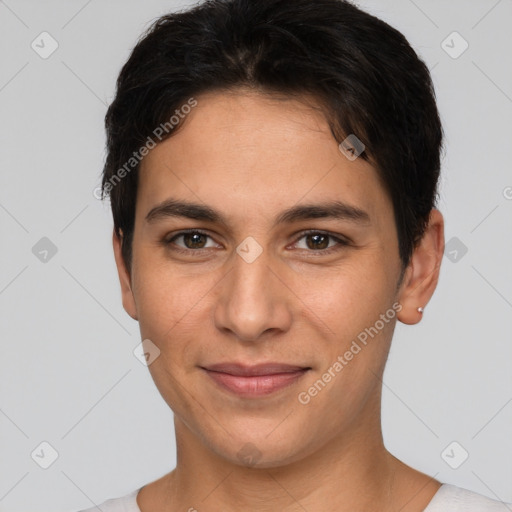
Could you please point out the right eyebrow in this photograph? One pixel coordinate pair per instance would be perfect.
(175, 208)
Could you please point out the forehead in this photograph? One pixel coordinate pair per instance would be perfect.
(256, 151)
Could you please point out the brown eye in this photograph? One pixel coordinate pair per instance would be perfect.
(190, 240)
(194, 240)
(317, 241)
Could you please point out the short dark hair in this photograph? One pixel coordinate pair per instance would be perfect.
(363, 73)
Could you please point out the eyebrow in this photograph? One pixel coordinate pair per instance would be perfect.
(329, 210)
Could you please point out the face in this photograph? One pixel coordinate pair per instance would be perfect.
(281, 264)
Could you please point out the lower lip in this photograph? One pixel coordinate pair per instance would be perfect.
(256, 385)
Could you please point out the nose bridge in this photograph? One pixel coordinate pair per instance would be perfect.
(251, 271)
(252, 300)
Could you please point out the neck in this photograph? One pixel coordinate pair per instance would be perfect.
(350, 472)
(347, 472)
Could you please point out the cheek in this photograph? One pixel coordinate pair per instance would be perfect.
(161, 299)
(171, 315)
(172, 303)
(346, 299)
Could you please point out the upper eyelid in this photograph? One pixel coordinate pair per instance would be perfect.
(336, 236)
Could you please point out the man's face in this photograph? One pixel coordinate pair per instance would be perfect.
(254, 287)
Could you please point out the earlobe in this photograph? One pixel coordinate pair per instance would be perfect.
(124, 278)
(422, 274)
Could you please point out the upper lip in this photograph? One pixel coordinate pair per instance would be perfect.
(254, 370)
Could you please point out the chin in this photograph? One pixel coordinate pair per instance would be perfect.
(260, 452)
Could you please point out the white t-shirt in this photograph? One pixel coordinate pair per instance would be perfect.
(449, 498)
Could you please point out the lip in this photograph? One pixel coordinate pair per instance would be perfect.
(257, 380)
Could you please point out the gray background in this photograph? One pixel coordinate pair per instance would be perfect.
(67, 369)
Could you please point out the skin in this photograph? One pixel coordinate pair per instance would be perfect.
(250, 156)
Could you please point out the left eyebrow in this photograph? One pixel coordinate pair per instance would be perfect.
(331, 210)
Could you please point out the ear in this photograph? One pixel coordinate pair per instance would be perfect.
(422, 273)
(124, 278)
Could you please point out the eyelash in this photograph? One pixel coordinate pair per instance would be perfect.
(340, 241)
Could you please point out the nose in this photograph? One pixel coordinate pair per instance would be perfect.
(253, 300)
